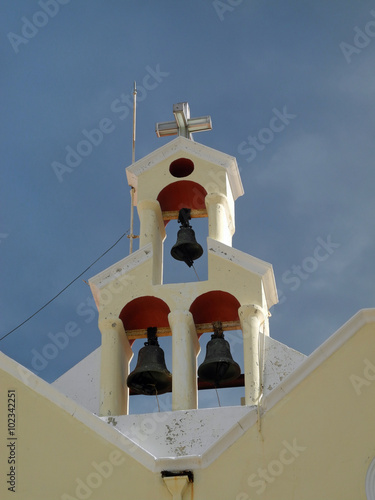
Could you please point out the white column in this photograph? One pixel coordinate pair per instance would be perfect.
(152, 230)
(185, 349)
(220, 224)
(116, 355)
(251, 317)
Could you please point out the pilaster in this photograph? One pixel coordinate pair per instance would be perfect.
(116, 355)
(152, 230)
(185, 349)
(251, 317)
(220, 221)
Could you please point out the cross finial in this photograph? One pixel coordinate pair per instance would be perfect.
(183, 124)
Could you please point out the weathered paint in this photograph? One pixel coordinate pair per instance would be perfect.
(316, 439)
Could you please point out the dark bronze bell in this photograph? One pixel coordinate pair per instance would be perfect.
(218, 364)
(186, 247)
(151, 375)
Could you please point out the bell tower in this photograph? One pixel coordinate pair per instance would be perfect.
(182, 180)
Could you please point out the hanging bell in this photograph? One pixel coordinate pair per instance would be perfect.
(186, 248)
(218, 365)
(150, 376)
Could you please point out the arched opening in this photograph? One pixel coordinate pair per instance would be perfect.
(139, 314)
(232, 394)
(210, 307)
(215, 306)
(143, 312)
(184, 194)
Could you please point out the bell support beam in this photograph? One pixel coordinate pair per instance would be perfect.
(251, 317)
(185, 349)
(200, 329)
(220, 223)
(152, 230)
(174, 214)
(116, 355)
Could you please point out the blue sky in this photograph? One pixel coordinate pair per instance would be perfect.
(308, 207)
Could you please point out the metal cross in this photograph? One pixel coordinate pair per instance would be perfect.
(183, 124)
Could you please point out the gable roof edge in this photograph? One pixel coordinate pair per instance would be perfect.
(183, 144)
(316, 358)
(78, 412)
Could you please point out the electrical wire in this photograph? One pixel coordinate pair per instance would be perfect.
(63, 290)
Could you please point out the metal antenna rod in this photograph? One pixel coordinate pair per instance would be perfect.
(131, 236)
(134, 119)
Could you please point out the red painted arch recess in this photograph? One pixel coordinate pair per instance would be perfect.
(143, 312)
(215, 306)
(182, 194)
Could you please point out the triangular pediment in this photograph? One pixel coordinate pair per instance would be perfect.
(199, 151)
(247, 263)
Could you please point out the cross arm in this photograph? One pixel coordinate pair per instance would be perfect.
(183, 124)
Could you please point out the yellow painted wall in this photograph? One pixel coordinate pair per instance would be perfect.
(324, 415)
(56, 454)
(329, 416)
